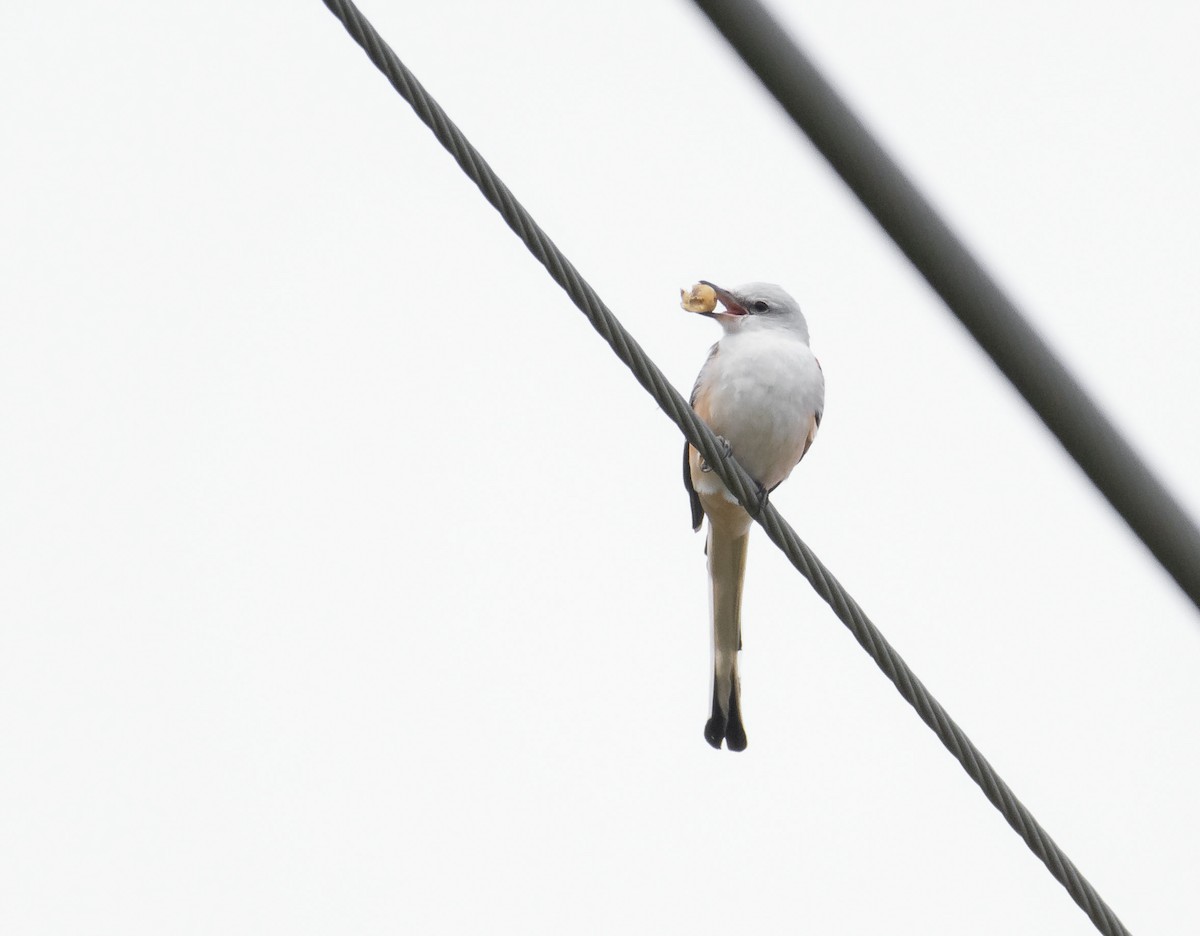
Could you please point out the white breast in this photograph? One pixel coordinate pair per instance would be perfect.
(766, 389)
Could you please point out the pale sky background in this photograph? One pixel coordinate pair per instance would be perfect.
(347, 578)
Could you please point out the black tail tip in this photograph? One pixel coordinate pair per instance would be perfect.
(735, 736)
(714, 731)
(719, 728)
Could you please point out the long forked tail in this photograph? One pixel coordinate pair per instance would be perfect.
(726, 567)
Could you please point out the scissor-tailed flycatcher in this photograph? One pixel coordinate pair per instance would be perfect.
(762, 391)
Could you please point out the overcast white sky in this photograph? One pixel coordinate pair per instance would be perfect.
(346, 578)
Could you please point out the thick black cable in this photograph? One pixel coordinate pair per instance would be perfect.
(978, 302)
(732, 474)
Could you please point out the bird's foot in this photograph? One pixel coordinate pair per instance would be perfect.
(760, 501)
(725, 446)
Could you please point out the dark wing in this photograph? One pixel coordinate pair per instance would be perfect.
(712, 353)
(812, 432)
(697, 510)
(816, 423)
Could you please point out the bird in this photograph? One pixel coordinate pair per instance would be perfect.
(762, 391)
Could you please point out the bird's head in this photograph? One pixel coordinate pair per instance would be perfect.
(757, 305)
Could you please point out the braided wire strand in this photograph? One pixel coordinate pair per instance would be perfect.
(732, 474)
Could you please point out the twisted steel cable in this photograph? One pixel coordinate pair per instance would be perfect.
(731, 473)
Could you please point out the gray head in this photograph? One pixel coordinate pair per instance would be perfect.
(758, 305)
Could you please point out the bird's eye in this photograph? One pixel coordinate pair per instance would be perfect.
(761, 306)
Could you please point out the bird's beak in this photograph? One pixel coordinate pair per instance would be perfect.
(733, 308)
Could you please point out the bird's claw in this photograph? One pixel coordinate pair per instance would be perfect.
(725, 447)
(760, 501)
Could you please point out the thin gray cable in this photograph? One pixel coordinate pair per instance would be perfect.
(734, 476)
(971, 294)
